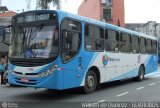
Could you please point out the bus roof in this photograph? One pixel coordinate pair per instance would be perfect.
(64, 14)
(100, 23)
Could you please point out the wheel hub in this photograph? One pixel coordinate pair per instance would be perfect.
(90, 81)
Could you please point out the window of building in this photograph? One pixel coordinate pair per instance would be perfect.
(107, 14)
(135, 44)
(94, 38)
(111, 40)
(142, 45)
(71, 39)
(125, 42)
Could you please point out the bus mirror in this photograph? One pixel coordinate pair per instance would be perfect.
(7, 35)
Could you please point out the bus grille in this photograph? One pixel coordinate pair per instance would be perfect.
(26, 83)
(28, 64)
(20, 73)
(30, 82)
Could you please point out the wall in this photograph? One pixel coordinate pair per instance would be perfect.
(118, 12)
(91, 9)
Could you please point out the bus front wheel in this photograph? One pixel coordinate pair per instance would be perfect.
(141, 72)
(90, 82)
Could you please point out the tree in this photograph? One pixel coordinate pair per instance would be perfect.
(28, 4)
(44, 4)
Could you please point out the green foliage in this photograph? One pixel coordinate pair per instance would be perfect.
(44, 4)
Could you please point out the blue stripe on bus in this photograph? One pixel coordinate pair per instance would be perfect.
(94, 56)
(151, 64)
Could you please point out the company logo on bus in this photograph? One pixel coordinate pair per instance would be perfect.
(105, 59)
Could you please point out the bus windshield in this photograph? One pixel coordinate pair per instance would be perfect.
(34, 42)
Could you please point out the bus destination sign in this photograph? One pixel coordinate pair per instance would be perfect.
(34, 17)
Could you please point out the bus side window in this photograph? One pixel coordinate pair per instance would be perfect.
(107, 43)
(149, 47)
(98, 39)
(135, 44)
(88, 40)
(154, 47)
(94, 38)
(113, 38)
(125, 44)
(66, 41)
(142, 45)
(71, 39)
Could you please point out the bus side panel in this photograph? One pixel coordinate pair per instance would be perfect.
(87, 60)
(118, 65)
(121, 66)
(151, 64)
(75, 70)
(69, 79)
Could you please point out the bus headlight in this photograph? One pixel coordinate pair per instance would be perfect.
(48, 72)
(53, 68)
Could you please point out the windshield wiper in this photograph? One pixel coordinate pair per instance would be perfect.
(35, 32)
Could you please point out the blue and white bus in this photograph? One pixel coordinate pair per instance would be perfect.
(58, 50)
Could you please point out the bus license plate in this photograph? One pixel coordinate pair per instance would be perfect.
(24, 80)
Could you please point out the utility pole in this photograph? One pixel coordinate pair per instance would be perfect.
(155, 26)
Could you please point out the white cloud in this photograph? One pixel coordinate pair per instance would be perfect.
(141, 11)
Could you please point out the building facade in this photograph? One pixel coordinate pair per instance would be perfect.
(110, 11)
(150, 28)
(5, 19)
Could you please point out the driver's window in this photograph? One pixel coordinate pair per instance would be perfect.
(7, 35)
(71, 39)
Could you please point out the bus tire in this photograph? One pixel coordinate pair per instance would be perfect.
(140, 76)
(90, 82)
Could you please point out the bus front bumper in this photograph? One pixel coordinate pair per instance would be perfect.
(52, 81)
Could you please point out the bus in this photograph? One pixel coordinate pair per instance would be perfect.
(58, 50)
(158, 51)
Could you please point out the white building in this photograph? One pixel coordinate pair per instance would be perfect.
(150, 28)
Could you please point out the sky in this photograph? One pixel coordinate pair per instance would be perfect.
(136, 11)
(141, 11)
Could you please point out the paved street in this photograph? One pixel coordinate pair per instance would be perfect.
(123, 91)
